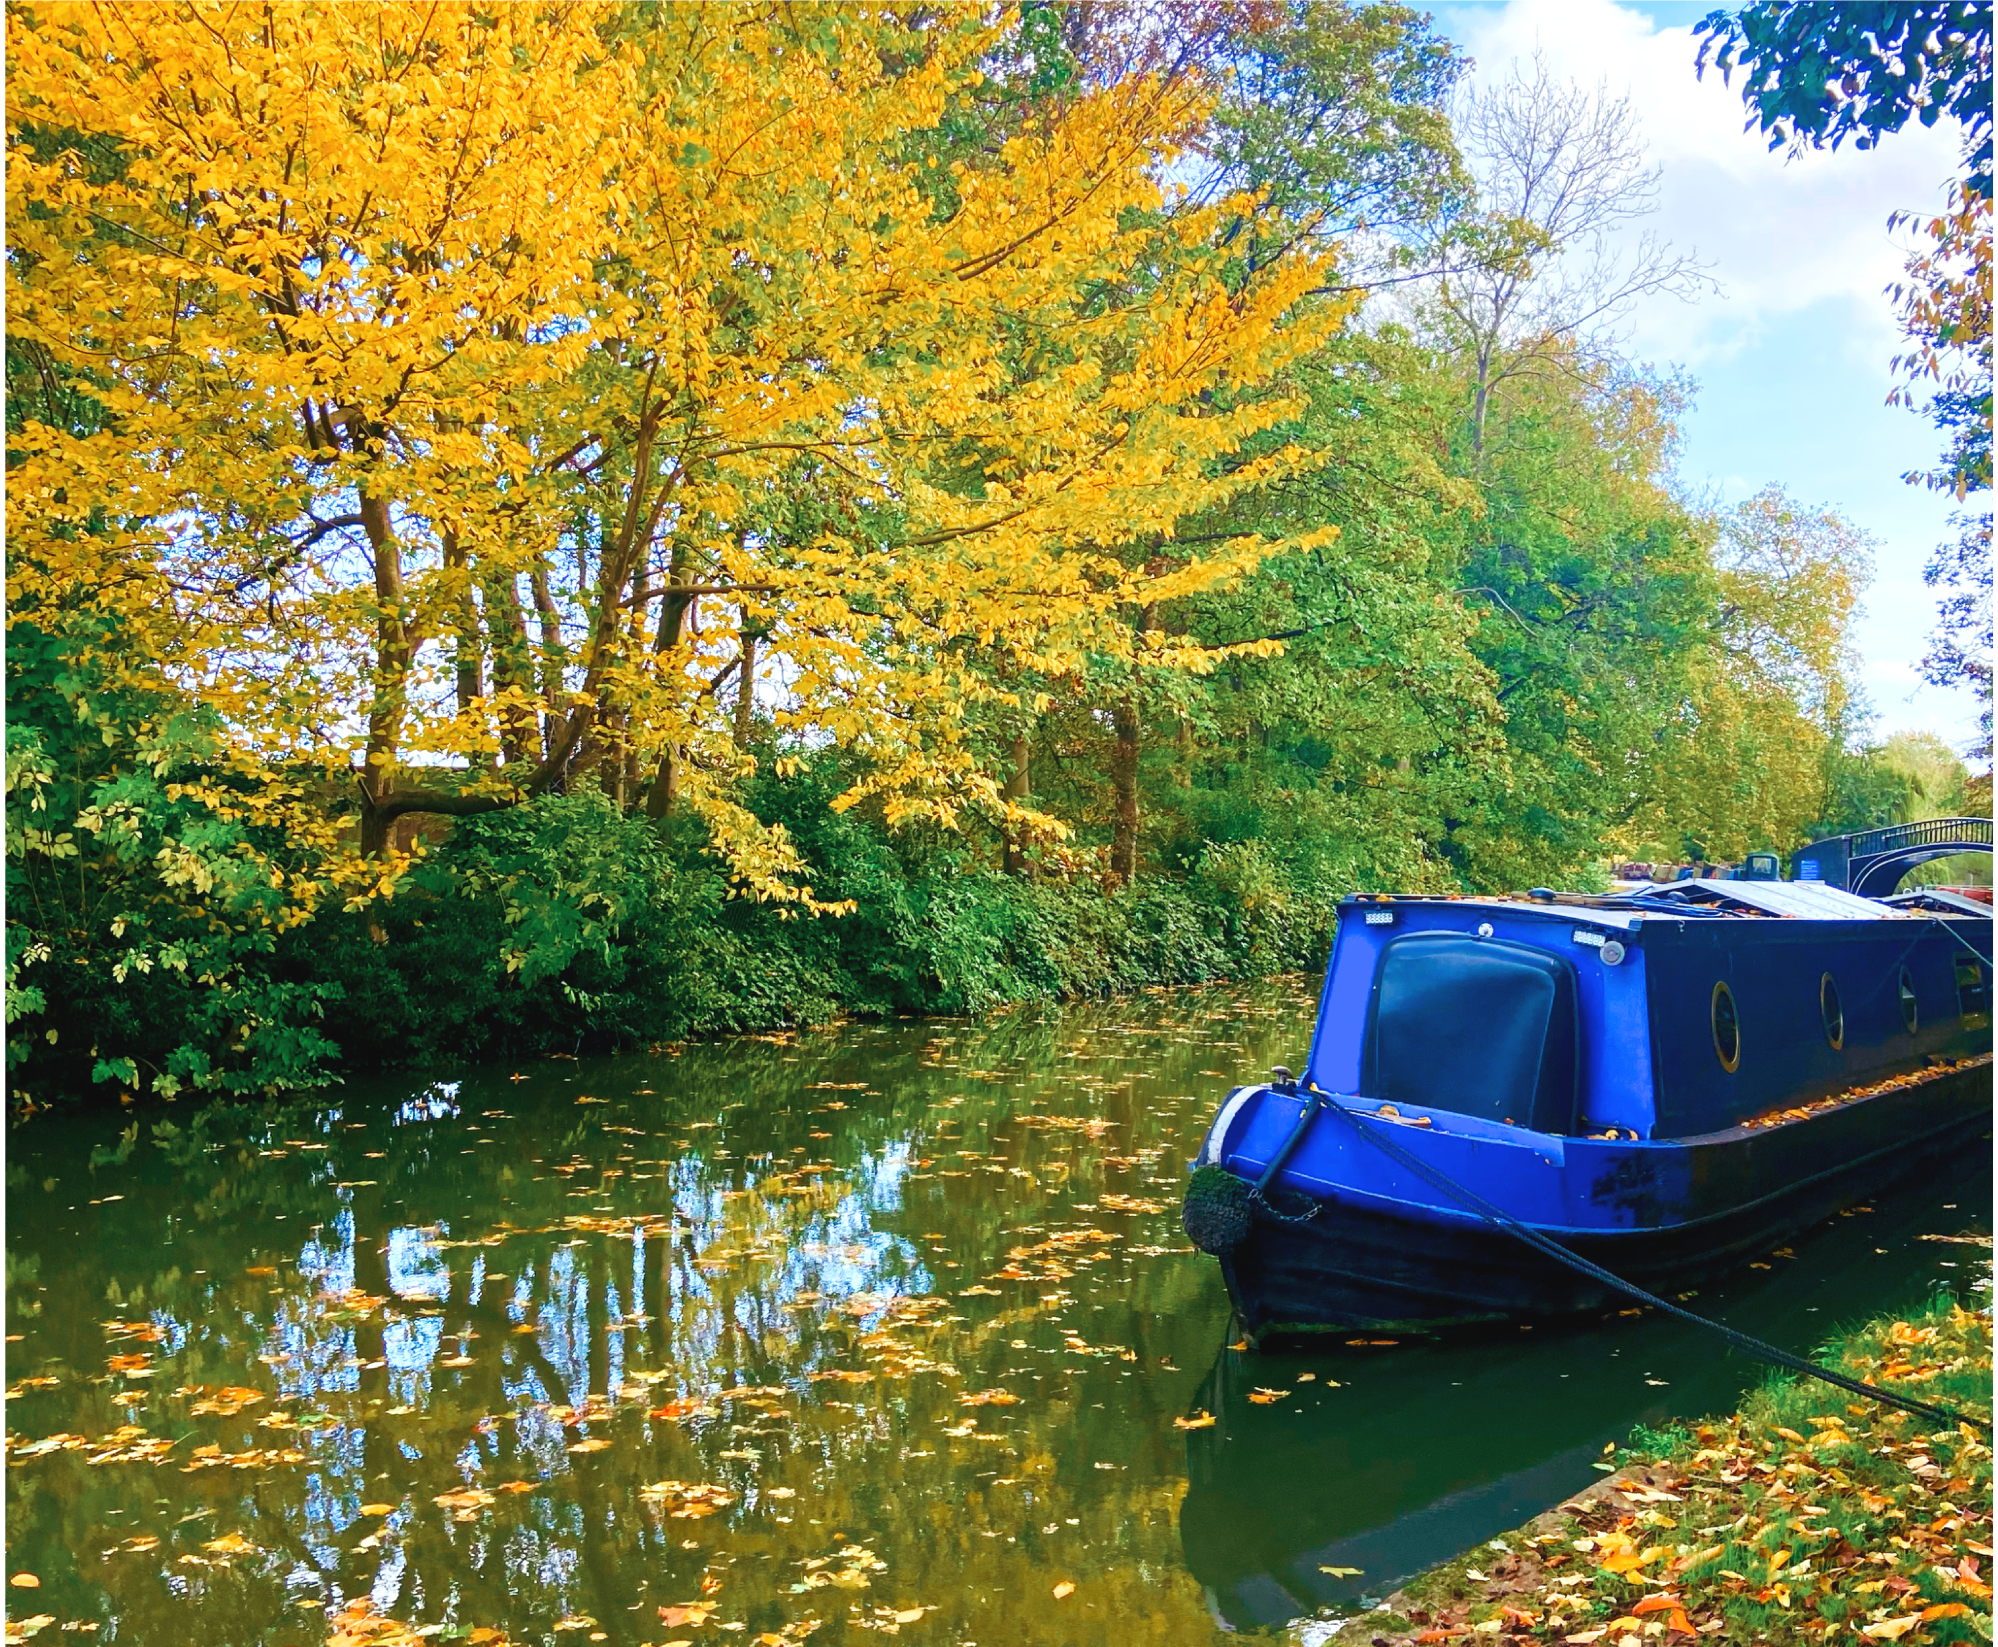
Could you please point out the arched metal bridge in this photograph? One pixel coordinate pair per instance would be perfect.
(1872, 862)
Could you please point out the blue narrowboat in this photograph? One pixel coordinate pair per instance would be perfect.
(1664, 1082)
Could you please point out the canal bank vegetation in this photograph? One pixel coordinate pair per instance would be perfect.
(1807, 1517)
(562, 528)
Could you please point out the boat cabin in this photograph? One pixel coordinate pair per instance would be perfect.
(1670, 1012)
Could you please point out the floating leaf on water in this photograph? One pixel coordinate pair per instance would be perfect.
(1063, 1590)
(25, 1581)
(1343, 1572)
(694, 1612)
(1199, 1421)
(230, 1544)
(1263, 1397)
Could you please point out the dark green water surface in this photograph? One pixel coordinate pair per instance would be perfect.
(876, 1330)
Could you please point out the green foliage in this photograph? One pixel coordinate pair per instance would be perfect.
(143, 909)
(566, 924)
(1815, 75)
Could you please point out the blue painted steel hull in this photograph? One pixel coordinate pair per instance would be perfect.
(1683, 1190)
(1681, 1213)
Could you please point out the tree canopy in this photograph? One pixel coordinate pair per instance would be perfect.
(512, 509)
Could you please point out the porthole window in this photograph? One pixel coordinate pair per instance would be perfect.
(1973, 988)
(1910, 1013)
(1833, 1011)
(1727, 1029)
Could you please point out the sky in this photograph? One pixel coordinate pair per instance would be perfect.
(1791, 357)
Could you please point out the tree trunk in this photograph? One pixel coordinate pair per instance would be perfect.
(1018, 787)
(393, 653)
(552, 657)
(513, 667)
(745, 694)
(467, 656)
(1481, 405)
(1124, 770)
(1124, 791)
(672, 621)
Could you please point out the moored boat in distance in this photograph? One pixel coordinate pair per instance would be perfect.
(1665, 1082)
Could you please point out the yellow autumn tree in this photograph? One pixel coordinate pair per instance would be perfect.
(490, 399)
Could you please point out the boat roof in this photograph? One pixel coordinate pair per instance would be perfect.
(1798, 900)
(1668, 900)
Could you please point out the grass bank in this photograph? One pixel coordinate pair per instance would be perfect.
(1807, 1517)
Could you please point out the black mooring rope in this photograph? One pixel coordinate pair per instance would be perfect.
(1553, 1249)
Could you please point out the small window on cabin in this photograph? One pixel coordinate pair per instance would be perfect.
(1911, 1014)
(1727, 1029)
(1832, 1009)
(1973, 987)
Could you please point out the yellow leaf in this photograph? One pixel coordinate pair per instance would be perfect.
(1063, 1590)
(1891, 1629)
(1199, 1421)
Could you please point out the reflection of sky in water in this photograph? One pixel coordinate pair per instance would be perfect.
(436, 1103)
(409, 1347)
(837, 1253)
(416, 1269)
(331, 1263)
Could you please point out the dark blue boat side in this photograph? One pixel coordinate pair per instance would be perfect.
(1665, 1083)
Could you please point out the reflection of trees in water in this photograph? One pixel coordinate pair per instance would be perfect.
(470, 1298)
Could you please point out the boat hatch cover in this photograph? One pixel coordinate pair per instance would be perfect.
(1804, 900)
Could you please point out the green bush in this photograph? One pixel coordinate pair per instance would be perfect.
(564, 925)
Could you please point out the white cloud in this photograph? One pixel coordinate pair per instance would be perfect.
(1780, 234)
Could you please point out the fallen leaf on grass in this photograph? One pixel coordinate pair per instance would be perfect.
(25, 1581)
(1891, 1629)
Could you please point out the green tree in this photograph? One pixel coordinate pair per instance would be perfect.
(1814, 75)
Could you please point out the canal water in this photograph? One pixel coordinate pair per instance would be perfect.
(880, 1330)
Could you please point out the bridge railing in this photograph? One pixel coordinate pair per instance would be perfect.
(1970, 832)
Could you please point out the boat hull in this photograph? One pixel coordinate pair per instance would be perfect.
(1355, 1265)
